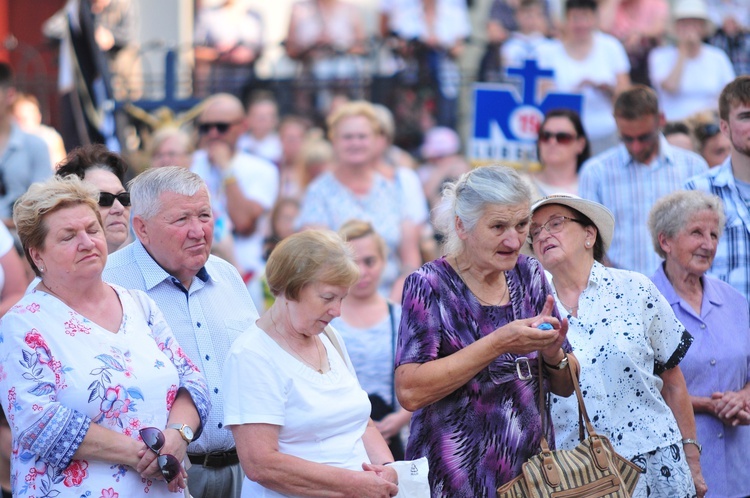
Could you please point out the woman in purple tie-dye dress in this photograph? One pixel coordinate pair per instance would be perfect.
(468, 320)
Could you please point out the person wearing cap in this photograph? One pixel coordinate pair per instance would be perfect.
(689, 75)
(686, 227)
(629, 344)
(468, 346)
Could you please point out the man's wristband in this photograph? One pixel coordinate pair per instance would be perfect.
(693, 442)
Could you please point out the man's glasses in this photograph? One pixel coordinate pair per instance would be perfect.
(645, 138)
(561, 137)
(553, 225)
(106, 199)
(205, 128)
(154, 439)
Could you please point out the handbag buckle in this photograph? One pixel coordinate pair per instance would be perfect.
(523, 368)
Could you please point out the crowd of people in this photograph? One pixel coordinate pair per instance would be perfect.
(278, 306)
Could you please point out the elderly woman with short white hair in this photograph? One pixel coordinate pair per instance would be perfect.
(686, 227)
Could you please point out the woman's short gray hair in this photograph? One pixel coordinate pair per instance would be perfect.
(146, 188)
(674, 211)
(468, 197)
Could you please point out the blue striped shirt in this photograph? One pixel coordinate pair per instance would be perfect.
(629, 189)
(732, 260)
(206, 319)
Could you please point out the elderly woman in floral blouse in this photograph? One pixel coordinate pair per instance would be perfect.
(96, 389)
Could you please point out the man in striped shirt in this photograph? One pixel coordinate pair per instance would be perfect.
(631, 176)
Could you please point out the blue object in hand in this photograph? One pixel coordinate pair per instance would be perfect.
(545, 326)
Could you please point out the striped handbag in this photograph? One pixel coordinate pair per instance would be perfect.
(591, 470)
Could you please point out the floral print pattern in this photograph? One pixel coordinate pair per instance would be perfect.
(61, 372)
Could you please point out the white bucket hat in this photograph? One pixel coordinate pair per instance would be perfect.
(599, 215)
(690, 9)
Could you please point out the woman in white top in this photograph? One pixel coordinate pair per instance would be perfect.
(592, 63)
(12, 276)
(629, 343)
(299, 417)
(689, 76)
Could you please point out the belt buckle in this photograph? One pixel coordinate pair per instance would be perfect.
(523, 368)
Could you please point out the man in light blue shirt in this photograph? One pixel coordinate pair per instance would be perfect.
(202, 297)
(731, 182)
(631, 176)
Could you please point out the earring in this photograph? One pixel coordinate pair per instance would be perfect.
(41, 268)
(588, 243)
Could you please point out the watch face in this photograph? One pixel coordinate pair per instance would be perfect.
(188, 432)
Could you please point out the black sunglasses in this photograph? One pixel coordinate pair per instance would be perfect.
(645, 138)
(205, 128)
(561, 137)
(708, 130)
(154, 439)
(106, 199)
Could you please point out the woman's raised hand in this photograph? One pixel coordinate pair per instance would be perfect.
(523, 336)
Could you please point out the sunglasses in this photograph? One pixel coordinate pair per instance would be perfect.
(645, 138)
(106, 199)
(205, 128)
(154, 439)
(708, 130)
(561, 137)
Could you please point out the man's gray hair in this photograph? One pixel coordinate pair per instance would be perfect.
(146, 188)
(674, 211)
(468, 197)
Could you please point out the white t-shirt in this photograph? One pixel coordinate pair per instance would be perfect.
(606, 60)
(703, 79)
(259, 180)
(415, 202)
(268, 147)
(322, 417)
(407, 20)
(624, 328)
(520, 47)
(6, 244)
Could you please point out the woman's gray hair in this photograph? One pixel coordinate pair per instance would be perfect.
(468, 197)
(674, 211)
(146, 188)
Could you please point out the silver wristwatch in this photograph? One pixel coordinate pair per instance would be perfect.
(185, 431)
(694, 442)
(563, 363)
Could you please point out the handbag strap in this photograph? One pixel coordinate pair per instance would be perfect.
(328, 331)
(583, 416)
(393, 354)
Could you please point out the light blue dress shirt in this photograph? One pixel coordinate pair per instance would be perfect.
(206, 319)
(630, 189)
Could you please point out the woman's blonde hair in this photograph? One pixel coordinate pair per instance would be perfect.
(47, 197)
(351, 109)
(309, 257)
(359, 229)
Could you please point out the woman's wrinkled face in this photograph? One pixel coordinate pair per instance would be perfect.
(694, 247)
(317, 305)
(116, 218)
(369, 257)
(74, 247)
(496, 240)
(567, 245)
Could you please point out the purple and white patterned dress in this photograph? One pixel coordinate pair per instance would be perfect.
(60, 373)
(477, 437)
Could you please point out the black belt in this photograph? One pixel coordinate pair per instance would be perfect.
(215, 459)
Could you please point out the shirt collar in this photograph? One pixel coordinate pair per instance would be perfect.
(724, 176)
(667, 289)
(153, 274)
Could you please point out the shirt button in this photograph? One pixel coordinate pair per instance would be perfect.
(720, 435)
(713, 362)
(703, 325)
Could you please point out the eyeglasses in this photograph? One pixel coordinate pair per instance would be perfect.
(154, 439)
(205, 128)
(106, 199)
(561, 137)
(553, 225)
(645, 138)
